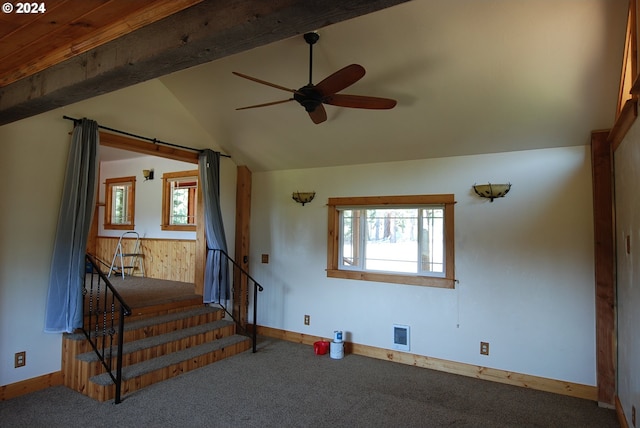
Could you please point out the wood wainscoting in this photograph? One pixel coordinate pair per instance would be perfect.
(170, 259)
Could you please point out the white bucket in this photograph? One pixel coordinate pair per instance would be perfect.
(337, 350)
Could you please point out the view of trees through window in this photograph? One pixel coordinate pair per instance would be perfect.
(179, 200)
(183, 206)
(404, 239)
(119, 203)
(409, 240)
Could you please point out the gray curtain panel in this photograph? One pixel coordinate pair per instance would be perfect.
(64, 300)
(216, 275)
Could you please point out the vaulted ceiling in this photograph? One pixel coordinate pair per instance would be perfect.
(470, 76)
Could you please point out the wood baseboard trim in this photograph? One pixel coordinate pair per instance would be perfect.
(495, 375)
(622, 419)
(34, 384)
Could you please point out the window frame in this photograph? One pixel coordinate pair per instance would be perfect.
(131, 203)
(167, 178)
(335, 205)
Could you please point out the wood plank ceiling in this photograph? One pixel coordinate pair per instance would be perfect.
(32, 42)
(80, 49)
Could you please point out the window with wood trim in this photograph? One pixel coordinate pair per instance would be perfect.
(120, 197)
(179, 200)
(398, 239)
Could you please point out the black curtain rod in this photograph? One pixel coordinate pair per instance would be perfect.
(153, 140)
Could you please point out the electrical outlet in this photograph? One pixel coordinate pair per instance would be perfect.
(307, 320)
(21, 359)
(633, 415)
(265, 258)
(484, 348)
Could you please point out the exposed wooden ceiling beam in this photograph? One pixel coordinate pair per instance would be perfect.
(202, 33)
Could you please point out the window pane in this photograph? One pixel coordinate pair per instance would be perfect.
(432, 240)
(350, 238)
(179, 206)
(119, 207)
(392, 240)
(183, 201)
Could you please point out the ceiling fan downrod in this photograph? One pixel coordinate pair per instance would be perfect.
(311, 39)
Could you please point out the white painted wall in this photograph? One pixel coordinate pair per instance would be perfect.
(627, 177)
(148, 208)
(524, 262)
(32, 166)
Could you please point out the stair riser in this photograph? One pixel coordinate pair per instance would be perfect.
(167, 348)
(73, 373)
(149, 312)
(77, 372)
(104, 393)
(167, 327)
(158, 329)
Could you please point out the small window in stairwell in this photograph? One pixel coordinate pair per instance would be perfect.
(120, 199)
(179, 200)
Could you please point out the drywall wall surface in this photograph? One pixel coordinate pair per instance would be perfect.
(33, 167)
(524, 263)
(627, 177)
(148, 208)
(148, 201)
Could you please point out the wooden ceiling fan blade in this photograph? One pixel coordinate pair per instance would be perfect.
(341, 79)
(318, 115)
(265, 104)
(264, 82)
(359, 101)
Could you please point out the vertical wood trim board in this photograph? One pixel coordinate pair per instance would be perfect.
(243, 235)
(200, 257)
(604, 246)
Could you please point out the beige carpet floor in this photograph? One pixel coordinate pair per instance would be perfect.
(285, 384)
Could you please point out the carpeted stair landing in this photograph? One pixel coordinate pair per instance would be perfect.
(155, 349)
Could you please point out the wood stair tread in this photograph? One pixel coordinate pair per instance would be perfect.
(159, 363)
(148, 342)
(160, 319)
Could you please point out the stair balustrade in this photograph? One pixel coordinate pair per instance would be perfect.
(104, 313)
(242, 279)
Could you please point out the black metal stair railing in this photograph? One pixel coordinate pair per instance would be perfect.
(242, 279)
(104, 312)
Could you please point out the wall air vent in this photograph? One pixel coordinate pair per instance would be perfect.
(401, 337)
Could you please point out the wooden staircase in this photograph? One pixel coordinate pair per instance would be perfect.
(159, 344)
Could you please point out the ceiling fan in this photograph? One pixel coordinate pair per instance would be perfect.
(312, 97)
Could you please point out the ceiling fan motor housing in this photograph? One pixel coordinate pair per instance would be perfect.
(308, 97)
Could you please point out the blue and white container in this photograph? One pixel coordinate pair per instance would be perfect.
(336, 350)
(337, 336)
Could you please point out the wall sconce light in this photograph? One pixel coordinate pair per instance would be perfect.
(491, 191)
(147, 174)
(303, 197)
